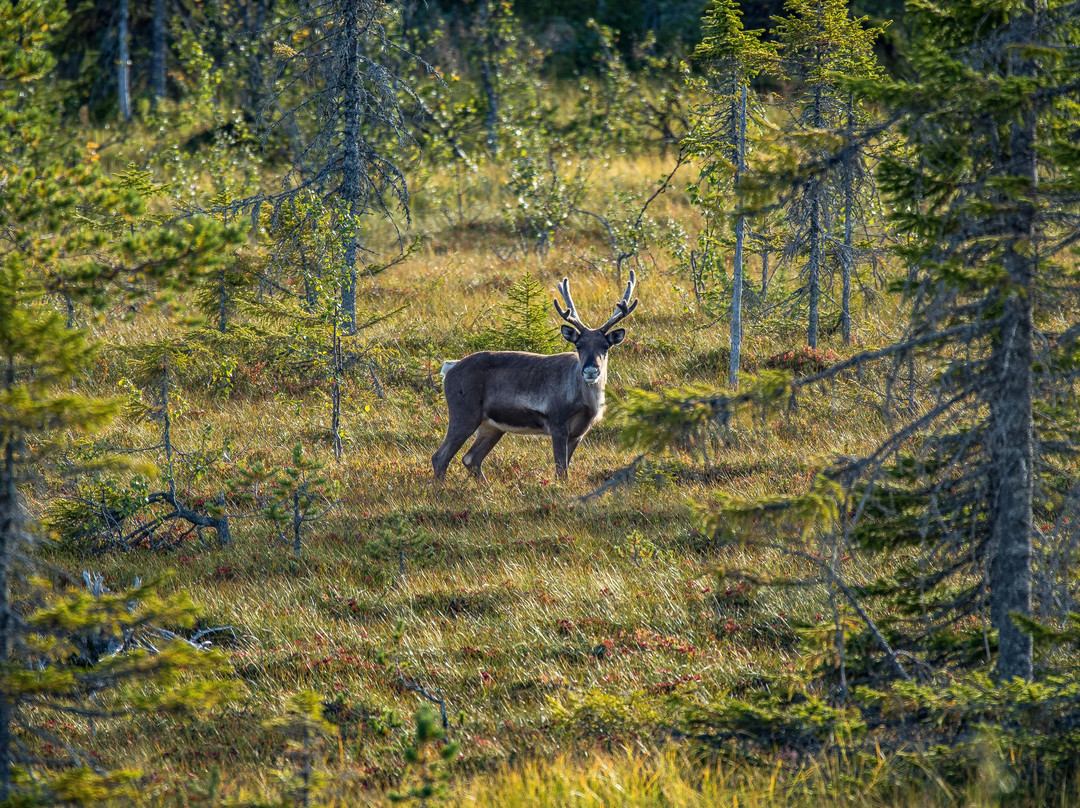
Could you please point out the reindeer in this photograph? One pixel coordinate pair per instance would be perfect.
(491, 393)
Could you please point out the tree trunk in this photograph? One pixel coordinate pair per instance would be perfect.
(254, 21)
(740, 232)
(492, 118)
(297, 522)
(1010, 432)
(335, 394)
(486, 77)
(157, 61)
(816, 191)
(166, 428)
(123, 90)
(814, 264)
(352, 170)
(310, 293)
(764, 272)
(223, 303)
(848, 254)
(1010, 437)
(9, 537)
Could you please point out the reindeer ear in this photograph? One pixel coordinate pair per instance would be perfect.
(616, 336)
(570, 334)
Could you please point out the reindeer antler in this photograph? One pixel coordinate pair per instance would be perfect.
(624, 306)
(570, 315)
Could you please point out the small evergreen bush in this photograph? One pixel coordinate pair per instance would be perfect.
(523, 323)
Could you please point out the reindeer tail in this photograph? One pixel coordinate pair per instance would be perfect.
(449, 363)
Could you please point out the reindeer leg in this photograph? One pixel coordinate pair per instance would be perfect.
(571, 446)
(486, 438)
(456, 434)
(559, 446)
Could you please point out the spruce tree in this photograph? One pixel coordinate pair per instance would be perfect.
(819, 43)
(732, 57)
(74, 652)
(523, 324)
(300, 495)
(986, 195)
(333, 73)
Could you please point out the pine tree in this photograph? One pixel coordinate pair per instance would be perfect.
(430, 756)
(305, 732)
(45, 660)
(58, 647)
(155, 368)
(298, 491)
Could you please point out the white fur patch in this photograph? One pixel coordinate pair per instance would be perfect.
(515, 430)
(449, 363)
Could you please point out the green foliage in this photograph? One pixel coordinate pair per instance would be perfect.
(973, 119)
(70, 233)
(597, 714)
(559, 627)
(99, 516)
(820, 42)
(1011, 734)
(300, 492)
(428, 761)
(691, 417)
(816, 167)
(400, 540)
(305, 732)
(732, 54)
(763, 721)
(522, 323)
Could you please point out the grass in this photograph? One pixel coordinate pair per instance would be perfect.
(556, 631)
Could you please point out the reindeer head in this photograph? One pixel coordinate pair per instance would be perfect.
(592, 344)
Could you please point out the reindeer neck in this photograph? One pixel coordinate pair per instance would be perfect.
(594, 393)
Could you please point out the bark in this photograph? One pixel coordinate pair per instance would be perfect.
(1010, 488)
(816, 191)
(740, 233)
(254, 21)
(335, 395)
(848, 254)
(764, 272)
(352, 169)
(166, 429)
(491, 121)
(220, 524)
(123, 89)
(1011, 431)
(310, 294)
(486, 77)
(158, 55)
(9, 527)
(814, 264)
(223, 303)
(9, 536)
(298, 521)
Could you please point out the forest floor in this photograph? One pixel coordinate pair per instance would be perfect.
(560, 634)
